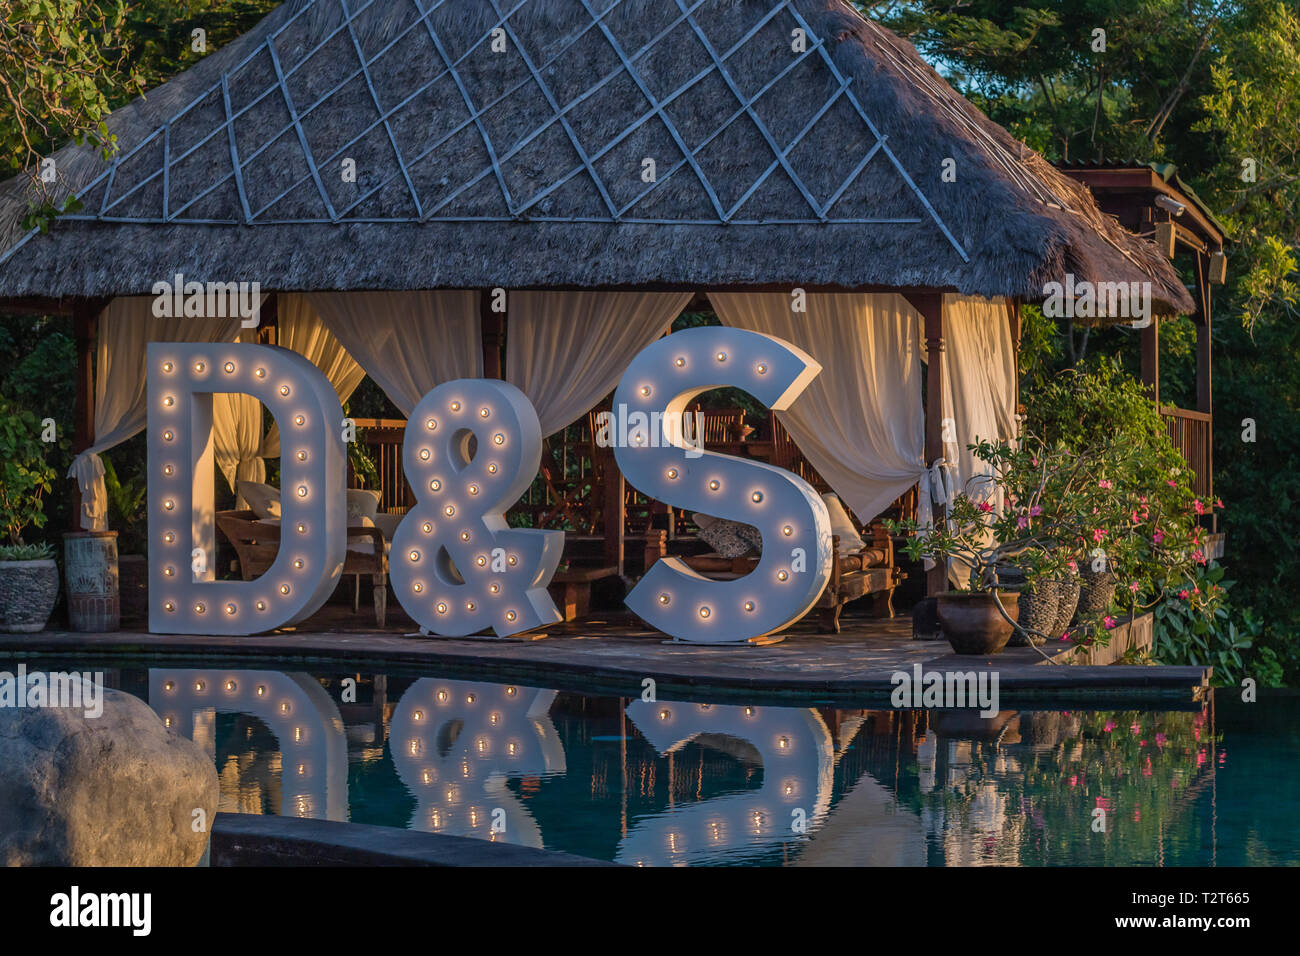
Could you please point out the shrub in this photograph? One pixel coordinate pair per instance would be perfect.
(24, 475)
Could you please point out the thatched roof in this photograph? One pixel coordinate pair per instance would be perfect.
(524, 168)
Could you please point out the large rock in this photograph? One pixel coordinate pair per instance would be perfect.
(115, 790)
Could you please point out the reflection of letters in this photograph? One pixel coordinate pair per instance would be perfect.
(455, 743)
(303, 717)
(798, 758)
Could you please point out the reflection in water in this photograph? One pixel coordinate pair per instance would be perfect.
(455, 743)
(294, 707)
(687, 783)
(791, 746)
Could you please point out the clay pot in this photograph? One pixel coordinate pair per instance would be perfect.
(972, 623)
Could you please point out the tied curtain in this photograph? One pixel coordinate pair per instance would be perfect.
(861, 422)
(408, 342)
(567, 350)
(126, 326)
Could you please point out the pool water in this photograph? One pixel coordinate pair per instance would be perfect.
(689, 782)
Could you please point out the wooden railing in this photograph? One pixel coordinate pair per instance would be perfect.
(1191, 434)
(382, 438)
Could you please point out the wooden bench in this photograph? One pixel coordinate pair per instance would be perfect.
(854, 574)
(257, 545)
(571, 589)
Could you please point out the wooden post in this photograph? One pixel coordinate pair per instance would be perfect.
(930, 305)
(1204, 391)
(494, 335)
(1151, 358)
(1013, 322)
(613, 510)
(85, 327)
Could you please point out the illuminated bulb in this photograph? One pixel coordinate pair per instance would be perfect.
(787, 531)
(300, 420)
(169, 537)
(168, 435)
(260, 373)
(169, 504)
(199, 366)
(470, 698)
(442, 696)
(762, 369)
(435, 485)
(645, 390)
(431, 424)
(231, 686)
(302, 456)
(665, 714)
(284, 589)
(783, 743)
(169, 607)
(492, 469)
(169, 401)
(680, 362)
(442, 607)
(417, 587)
(511, 691)
(469, 605)
(284, 707)
(169, 571)
(512, 560)
(749, 711)
(199, 608)
(455, 406)
(484, 412)
(297, 735)
(494, 588)
(167, 367)
(473, 489)
(167, 722)
(705, 612)
(756, 497)
(427, 527)
(229, 367)
(494, 718)
(169, 686)
(302, 529)
(782, 575)
(672, 474)
(499, 438)
(464, 536)
(512, 748)
(664, 599)
(511, 615)
(418, 715)
(284, 390)
(302, 769)
(168, 470)
(261, 691)
(298, 563)
(302, 491)
(714, 485)
(415, 555)
(481, 561)
(749, 605)
(722, 356)
(424, 454)
(261, 605)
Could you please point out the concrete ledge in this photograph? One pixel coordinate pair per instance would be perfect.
(243, 839)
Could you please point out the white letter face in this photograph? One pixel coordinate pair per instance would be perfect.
(441, 563)
(313, 474)
(664, 379)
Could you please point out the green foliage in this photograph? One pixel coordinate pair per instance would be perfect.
(24, 475)
(26, 552)
(1198, 626)
(128, 503)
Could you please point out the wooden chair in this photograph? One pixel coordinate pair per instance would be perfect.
(257, 545)
(854, 574)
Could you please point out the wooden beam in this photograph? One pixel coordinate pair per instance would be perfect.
(1151, 358)
(614, 510)
(494, 335)
(1204, 388)
(930, 305)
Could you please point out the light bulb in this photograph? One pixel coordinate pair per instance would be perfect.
(229, 367)
(284, 390)
(756, 497)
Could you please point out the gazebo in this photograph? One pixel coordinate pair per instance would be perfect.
(425, 190)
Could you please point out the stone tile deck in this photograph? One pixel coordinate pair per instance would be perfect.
(612, 654)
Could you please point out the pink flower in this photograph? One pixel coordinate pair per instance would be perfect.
(1218, 503)
(1035, 511)
(1133, 586)
(1105, 484)
(1109, 622)
(1072, 565)
(986, 507)
(1098, 534)
(1158, 537)
(1183, 594)
(1161, 740)
(1065, 636)
(1198, 556)
(1110, 725)
(1200, 508)
(1022, 522)
(1134, 517)
(1171, 483)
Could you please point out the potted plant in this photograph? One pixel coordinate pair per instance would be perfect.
(29, 578)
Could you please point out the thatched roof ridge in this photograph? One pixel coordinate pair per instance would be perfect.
(820, 167)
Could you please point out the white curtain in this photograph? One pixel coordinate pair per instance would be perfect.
(408, 342)
(980, 390)
(300, 329)
(567, 350)
(861, 423)
(125, 327)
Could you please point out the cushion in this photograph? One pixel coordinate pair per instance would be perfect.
(263, 499)
(388, 524)
(731, 539)
(361, 504)
(850, 540)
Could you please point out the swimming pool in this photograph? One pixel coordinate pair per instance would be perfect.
(659, 783)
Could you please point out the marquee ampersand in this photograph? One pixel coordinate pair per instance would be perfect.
(472, 448)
